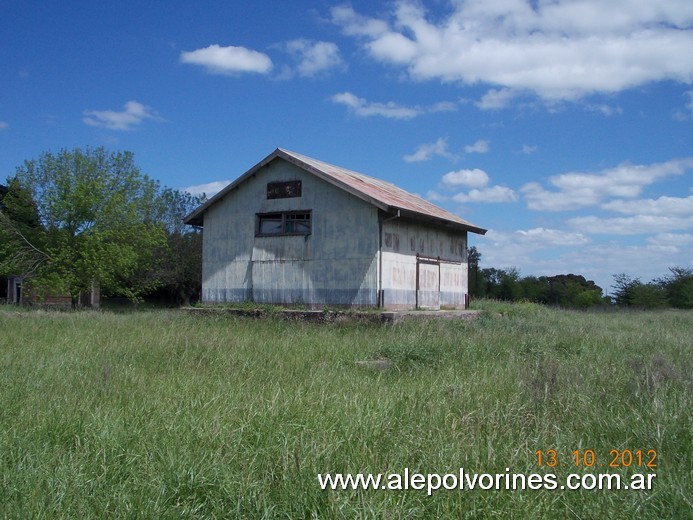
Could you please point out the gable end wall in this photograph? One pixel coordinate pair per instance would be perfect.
(337, 264)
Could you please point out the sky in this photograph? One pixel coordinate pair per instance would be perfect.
(563, 127)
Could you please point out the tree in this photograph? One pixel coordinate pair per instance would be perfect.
(98, 213)
(501, 284)
(623, 288)
(678, 287)
(633, 293)
(510, 288)
(648, 296)
(475, 281)
(179, 262)
(21, 235)
(573, 290)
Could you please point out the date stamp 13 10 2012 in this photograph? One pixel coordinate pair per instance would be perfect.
(623, 458)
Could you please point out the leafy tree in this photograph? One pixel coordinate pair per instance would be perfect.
(573, 290)
(178, 264)
(22, 239)
(678, 287)
(535, 289)
(632, 292)
(98, 213)
(490, 282)
(648, 296)
(509, 288)
(624, 286)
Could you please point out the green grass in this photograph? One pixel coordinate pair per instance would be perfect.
(161, 414)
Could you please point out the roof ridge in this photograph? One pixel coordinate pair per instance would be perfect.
(378, 192)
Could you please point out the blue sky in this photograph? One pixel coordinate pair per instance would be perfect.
(565, 128)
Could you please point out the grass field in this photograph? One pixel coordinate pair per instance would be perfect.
(159, 414)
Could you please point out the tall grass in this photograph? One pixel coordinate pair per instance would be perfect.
(160, 414)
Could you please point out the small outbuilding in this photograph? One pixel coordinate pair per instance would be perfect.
(296, 230)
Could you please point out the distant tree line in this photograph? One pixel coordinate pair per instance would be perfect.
(571, 290)
(672, 290)
(79, 218)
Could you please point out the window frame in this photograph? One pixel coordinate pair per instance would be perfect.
(285, 220)
(284, 189)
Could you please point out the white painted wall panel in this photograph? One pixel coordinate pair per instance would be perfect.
(403, 240)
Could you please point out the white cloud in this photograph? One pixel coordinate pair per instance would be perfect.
(687, 112)
(434, 196)
(313, 57)
(606, 110)
(635, 225)
(133, 114)
(4, 125)
(481, 146)
(543, 200)
(354, 24)
(495, 99)
(443, 106)
(528, 150)
(579, 189)
(538, 238)
(672, 206)
(672, 243)
(542, 237)
(474, 178)
(364, 108)
(558, 50)
(228, 60)
(493, 194)
(208, 189)
(671, 239)
(426, 151)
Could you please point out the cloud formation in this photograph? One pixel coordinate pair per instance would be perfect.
(481, 146)
(209, 189)
(672, 206)
(228, 60)
(492, 194)
(559, 50)
(478, 180)
(474, 178)
(391, 110)
(313, 58)
(537, 238)
(133, 114)
(428, 150)
(578, 190)
(635, 225)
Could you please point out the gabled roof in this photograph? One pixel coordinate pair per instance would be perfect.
(379, 193)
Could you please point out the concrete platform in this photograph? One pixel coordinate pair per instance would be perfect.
(337, 316)
(397, 316)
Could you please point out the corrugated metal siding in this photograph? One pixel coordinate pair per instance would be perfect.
(335, 265)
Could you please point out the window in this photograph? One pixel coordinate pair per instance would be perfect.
(283, 190)
(285, 223)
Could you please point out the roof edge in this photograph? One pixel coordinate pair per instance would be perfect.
(196, 217)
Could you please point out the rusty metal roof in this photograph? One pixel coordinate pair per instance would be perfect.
(382, 194)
